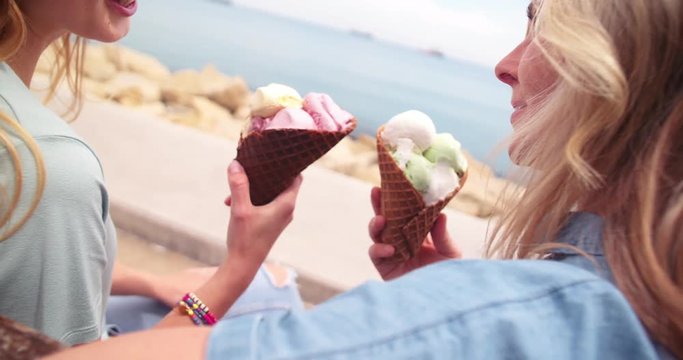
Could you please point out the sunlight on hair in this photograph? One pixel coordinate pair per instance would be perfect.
(9, 210)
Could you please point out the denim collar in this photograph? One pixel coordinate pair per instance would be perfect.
(583, 230)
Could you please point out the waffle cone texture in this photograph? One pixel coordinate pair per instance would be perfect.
(272, 159)
(408, 219)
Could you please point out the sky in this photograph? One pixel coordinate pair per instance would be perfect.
(480, 31)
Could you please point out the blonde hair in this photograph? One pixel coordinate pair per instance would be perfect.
(616, 115)
(69, 55)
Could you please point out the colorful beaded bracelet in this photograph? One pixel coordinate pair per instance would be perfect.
(184, 309)
(196, 310)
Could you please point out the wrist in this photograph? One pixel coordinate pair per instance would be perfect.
(235, 272)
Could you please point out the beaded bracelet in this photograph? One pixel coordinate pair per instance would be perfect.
(184, 309)
(196, 310)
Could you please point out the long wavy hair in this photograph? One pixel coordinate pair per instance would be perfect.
(608, 137)
(69, 53)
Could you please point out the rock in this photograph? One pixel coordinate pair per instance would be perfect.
(231, 93)
(203, 114)
(230, 129)
(130, 60)
(368, 142)
(97, 66)
(209, 110)
(94, 90)
(175, 96)
(368, 173)
(185, 116)
(342, 158)
(131, 89)
(243, 112)
(185, 81)
(156, 108)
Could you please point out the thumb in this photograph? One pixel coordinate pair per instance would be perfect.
(443, 243)
(290, 194)
(239, 185)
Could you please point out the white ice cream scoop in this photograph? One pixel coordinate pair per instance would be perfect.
(269, 100)
(414, 125)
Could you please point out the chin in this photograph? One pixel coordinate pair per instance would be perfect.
(112, 33)
(517, 152)
(110, 38)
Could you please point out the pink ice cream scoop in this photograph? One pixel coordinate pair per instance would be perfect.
(291, 118)
(327, 115)
(257, 123)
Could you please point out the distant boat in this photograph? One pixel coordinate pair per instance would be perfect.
(224, 2)
(435, 53)
(362, 34)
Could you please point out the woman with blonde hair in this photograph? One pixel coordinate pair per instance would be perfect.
(593, 249)
(57, 239)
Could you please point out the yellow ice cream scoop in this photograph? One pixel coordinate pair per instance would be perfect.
(269, 100)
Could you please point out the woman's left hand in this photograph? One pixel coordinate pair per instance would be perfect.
(438, 246)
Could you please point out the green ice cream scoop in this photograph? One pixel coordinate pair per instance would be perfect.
(446, 148)
(419, 171)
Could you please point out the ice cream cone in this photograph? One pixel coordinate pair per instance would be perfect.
(272, 159)
(408, 218)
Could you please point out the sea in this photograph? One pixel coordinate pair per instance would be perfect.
(372, 79)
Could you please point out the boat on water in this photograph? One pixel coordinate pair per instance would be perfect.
(224, 2)
(435, 53)
(362, 34)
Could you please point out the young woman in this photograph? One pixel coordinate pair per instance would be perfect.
(597, 237)
(57, 240)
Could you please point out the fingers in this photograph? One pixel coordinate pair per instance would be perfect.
(443, 243)
(376, 200)
(289, 195)
(239, 186)
(379, 252)
(375, 228)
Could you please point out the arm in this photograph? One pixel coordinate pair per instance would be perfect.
(128, 281)
(177, 343)
(252, 231)
(167, 289)
(459, 309)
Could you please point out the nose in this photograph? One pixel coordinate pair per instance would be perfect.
(507, 68)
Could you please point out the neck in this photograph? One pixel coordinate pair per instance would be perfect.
(25, 60)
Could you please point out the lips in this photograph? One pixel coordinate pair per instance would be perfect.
(126, 8)
(518, 105)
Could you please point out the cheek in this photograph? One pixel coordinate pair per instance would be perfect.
(536, 75)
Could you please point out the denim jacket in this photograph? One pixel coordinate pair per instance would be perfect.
(565, 308)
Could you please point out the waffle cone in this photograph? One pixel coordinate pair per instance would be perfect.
(408, 219)
(272, 159)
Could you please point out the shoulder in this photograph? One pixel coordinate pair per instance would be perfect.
(68, 158)
(20, 104)
(463, 309)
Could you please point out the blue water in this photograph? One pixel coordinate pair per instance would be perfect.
(371, 79)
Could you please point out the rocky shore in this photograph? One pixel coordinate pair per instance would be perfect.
(217, 103)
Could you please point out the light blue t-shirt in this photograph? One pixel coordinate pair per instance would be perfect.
(563, 309)
(55, 273)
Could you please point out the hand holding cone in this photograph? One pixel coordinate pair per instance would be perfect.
(288, 134)
(409, 217)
